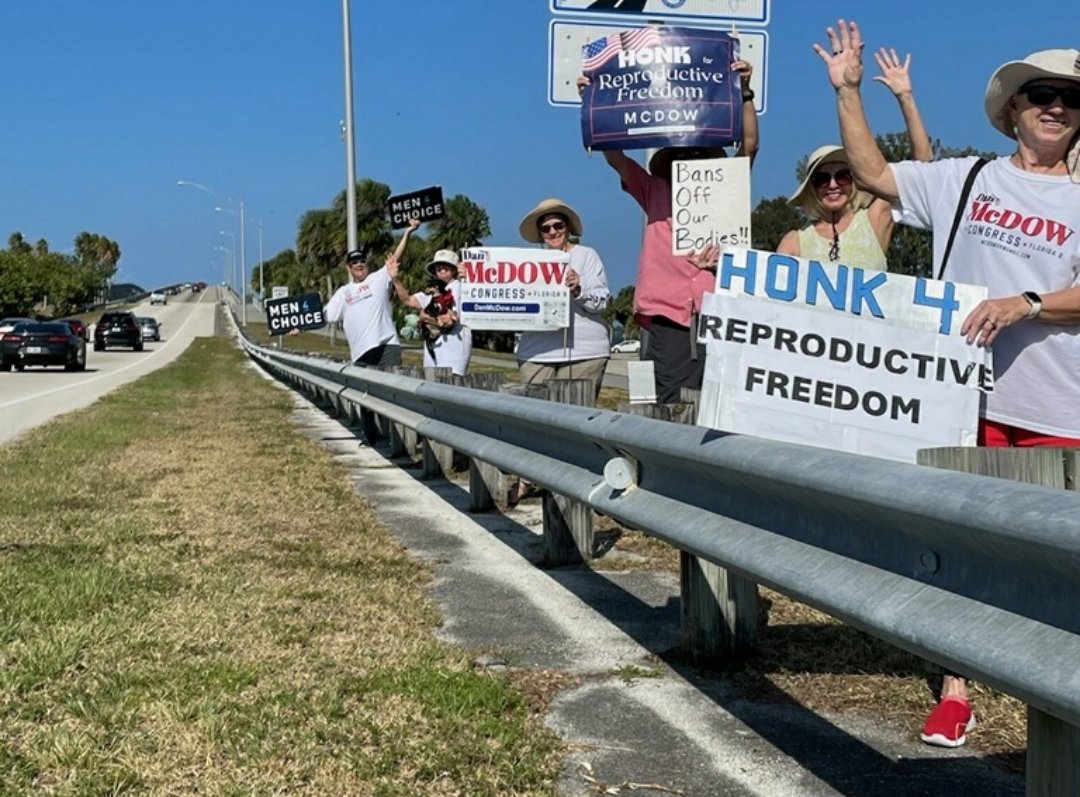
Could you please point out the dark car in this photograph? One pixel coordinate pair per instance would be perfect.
(42, 343)
(151, 329)
(78, 326)
(118, 329)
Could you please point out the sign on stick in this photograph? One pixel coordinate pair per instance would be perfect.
(294, 312)
(515, 289)
(425, 205)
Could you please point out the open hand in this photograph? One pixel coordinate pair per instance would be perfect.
(844, 58)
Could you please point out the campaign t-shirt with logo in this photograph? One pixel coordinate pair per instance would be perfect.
(1018, 233)
(364, 309)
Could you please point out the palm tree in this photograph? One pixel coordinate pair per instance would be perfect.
(465, 224)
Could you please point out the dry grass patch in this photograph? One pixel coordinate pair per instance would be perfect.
(205, 606)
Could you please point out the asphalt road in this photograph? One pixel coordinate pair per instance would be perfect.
(34, 396)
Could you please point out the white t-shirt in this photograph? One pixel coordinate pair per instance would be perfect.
(364, 307)
(587, 336)
(1019, 232)
(453, 348)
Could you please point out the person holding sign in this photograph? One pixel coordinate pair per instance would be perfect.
(1013, 227)
(450, 343)
(581, 350)
(363, 306)
(847, 224)
(668, 289)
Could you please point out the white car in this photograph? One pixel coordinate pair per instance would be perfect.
(628, 346)
(158, 297)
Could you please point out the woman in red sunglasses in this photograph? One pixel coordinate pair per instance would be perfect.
(845, 223)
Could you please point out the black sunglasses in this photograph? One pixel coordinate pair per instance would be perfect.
(1041, 94)
(552, 226)
(821, 179)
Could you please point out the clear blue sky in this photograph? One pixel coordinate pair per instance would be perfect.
(109, 103)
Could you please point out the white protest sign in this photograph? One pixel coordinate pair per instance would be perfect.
(517, 289)
(840, 357)
(710, 203)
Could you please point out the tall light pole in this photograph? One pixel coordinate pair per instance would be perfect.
(232, 240)
(262, 268)
(231, 262)
(243, 261)
(350, 144)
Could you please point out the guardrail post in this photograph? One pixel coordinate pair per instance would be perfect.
(719, 609)
(488, 486)
(436, 459)
(403, 440)
(568, 524)
(1053, 753)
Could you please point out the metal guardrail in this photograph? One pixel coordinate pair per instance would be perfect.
(977, 574)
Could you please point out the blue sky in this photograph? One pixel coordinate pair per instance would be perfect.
(111, 102)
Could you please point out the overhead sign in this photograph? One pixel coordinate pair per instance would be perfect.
(710, 204)
(514, 289)
(566, 40)
(841, 357)
(294, 312)
(425, 205)
(747, 12)
(658, 87)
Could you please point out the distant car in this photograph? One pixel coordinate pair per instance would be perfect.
(151, 329)
(118, 329)
(159, 297)
(8, 324)
(77, 325)
(628, 346)
(42, 343)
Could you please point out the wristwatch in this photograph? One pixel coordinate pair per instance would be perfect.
(748, 95)
(1036, 303)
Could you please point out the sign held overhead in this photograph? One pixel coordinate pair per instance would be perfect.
(425, 205)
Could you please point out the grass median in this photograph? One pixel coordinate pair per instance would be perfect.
(195, 600)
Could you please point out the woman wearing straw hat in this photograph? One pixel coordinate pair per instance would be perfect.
(1015, 231)
(845, 223)
(580, 351)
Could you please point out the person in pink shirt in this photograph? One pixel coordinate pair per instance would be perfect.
(668, 289)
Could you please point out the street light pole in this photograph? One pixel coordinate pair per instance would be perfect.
(243, 270)
(232, 253)
(350, 144)
(262, 287)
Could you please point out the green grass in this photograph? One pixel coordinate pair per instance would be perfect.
(195, 601)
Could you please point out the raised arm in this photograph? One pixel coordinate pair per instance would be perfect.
(400, 249)
(845, 69)
(392, 268)
(616, 159)
(897, 77)
(751, 141)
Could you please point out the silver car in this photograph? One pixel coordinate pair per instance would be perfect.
(151, 329)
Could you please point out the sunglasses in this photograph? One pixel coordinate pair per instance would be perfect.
(356, 263)
(1041, 94)
(552, 226)
(821, 179)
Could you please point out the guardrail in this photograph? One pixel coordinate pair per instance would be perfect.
(979, 575)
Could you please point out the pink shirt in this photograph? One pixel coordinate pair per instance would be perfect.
(667, 285)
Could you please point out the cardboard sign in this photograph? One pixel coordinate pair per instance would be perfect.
(294, 312)
(838, 356)
(658, 87)
(425, 204)
(514, 289)
(710, 203)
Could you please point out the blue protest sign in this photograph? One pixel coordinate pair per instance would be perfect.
(660, 87)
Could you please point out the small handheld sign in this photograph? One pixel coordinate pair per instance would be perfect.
(294, 312)
(425, 205)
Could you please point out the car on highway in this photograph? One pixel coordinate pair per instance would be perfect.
(8, 324)
(159, 297)
(151, 329)
(118, 328)
(627, 346)
(42, 343)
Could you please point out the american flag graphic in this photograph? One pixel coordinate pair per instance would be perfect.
(596, 54)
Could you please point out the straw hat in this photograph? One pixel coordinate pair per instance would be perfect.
(805, 195)
(529, 228)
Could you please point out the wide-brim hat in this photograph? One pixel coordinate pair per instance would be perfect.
(1010, 77)
(447, 256)
(529, 227)
(805, 195)
(660, 162)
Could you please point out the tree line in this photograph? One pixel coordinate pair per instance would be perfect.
(35, 281)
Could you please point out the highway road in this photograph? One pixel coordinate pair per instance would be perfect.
(34, 396)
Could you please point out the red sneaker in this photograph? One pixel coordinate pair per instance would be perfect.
(948, 722)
